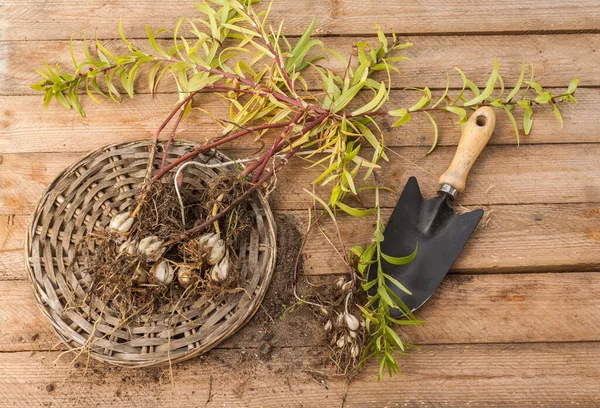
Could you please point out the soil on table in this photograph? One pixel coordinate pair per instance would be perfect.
(267, 343)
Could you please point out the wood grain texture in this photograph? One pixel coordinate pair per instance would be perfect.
(551, 307)
(520, 375)
(26, 126)
(557, 59)
(511, 238)
(502, 175)
(31, 19)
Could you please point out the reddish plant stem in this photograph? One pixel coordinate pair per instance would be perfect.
(171, 137)
(265, 159)
(198, 229)
(214, 143)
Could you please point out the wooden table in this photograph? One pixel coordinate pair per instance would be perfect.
(517, 323)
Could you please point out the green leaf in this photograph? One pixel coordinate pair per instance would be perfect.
(538, 88)
(462, 113)
(72, 53)
(403, 120)
(573, 86)
(464, 86)
(397, 283)
(385, 297)
(557, 113)
(382, 38)
(301, 48)
(122, 34)
(513, 121)
(375, 104)
(445, 92)
(199, 81)
(403, 260)
(512, 93)
(423, 102)
(346, 97)
(355, 212)
(73, 98)
(357, 250)
(544, 97)
(395, 337)
(155, 45)
(527, 116)
(435, 132)
(152, 84)
(398, 112)
(378, 236)
(489, 87)
(60, 97)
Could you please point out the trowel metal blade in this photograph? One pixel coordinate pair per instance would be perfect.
(441, 235)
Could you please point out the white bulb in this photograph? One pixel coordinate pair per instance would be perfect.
(122, 222)
(163, 272)
(351, 321)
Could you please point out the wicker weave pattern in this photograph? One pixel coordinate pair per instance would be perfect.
(84, 198)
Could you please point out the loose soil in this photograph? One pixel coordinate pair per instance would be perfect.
(267, 342)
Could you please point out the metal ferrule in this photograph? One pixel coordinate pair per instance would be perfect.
(448, 189)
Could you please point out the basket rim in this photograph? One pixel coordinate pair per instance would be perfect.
(251, 309)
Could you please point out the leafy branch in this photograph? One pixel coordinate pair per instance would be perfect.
(231, 51)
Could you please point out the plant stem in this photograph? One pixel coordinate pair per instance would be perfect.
(265, 159)
(198, 229)
(172, 136)
(214, 143)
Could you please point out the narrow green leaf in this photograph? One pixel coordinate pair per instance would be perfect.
(397, 283)
(512, 93)
(461, 112)
(445, 92)
(155, 45)
(122, 34)
(346, 97)
(435, 132)
(403, 260)
(489, 87)
(403, 120)
(527, 116)
(375, 103)
(382, 38)
(423, 102)
(573, 86)
(395, 337)
(355, 212)
(536, 86)
(543, 97)
(513, 121)
(60, 97)
(557, 113)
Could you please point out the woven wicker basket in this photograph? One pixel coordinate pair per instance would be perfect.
(84, 198)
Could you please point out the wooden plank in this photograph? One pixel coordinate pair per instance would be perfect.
(503, 308)
(26, 126)
(554, 237)
(503, 175)
(557, 59)
(521, 375)
(32, 19)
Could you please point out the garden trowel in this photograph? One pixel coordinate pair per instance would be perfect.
(440, 233)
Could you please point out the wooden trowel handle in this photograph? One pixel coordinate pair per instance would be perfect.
(475, 136)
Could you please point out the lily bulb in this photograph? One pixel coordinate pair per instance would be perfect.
(351, 321)
(122, 222)
(127, 247)
(220, 271)
(163, 272)
(152, 248)
(217, 252)
(184, 276)
(207, 240)
(355, 351)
